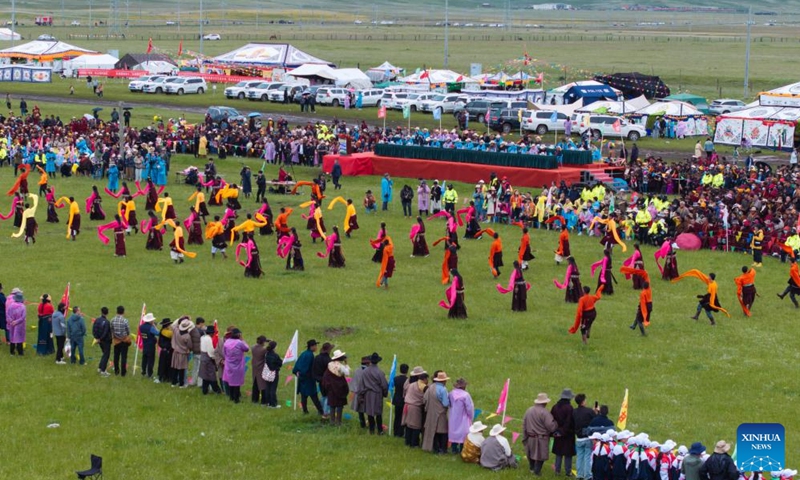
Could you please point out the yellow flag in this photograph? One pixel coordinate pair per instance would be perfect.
(623, 413)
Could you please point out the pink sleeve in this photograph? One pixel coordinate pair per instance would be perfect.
(414, 231)
(564, 285)
(511, 280)
(451, 295)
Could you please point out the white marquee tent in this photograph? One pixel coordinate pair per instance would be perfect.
(384, 72)
(154, 67)
(101, 62)
(436, 77)
(7, 35)
(352, 78)
(771, 122)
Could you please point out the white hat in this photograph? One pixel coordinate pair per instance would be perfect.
(477, 427)
(337, 354)
(682, 450)
(624, 434)
(605, 438)
(611, 433)
(668, 446)
(654, 445)
(497, 430)
(149, 318)
(596, 436)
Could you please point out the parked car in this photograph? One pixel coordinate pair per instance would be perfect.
(331, 96)
(47, 37)
(75, 23)
(726, 105)
(390, 99)
(504, 120)
(182, 85)
(212, 36)
(240, 89)
(220, 113)
(414, 100)
(540, 121)
(603, 126)
(371, 97)
(136, 85)
(276, 95)
(310, 91)
(446, 103)
(477, 108)
(261, 91)
(157, 84)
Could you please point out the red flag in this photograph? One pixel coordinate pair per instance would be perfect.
(487, 117)
(215, 337)
(65, 297)
(460, 78)
(150, 45)
(139, 344)
(180, 48)
(539, 78)
(617, 126)
(424, 75)
(503, 401)
(382, 112)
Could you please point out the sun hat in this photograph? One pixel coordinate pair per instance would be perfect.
(497, 430)
(722, 447)
(567, 394)
(477, 427)
(596, 436)
(375, 358)
(682, 450)
(149, 317)
(337, 354)
(542, 399)
(697, 448)
(416, 371)
(441, 377)
(15, 291)
(668, 446)
(185, 324)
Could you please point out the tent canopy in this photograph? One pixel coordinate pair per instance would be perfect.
(671, 108)
(280, 55)
(568, 109)
(764, 126)
(589, 93)
(316, 73)
(7, 34)
(635, 84)
(786, 96)
(614, 107)
(699, 102)
(103, 62)
(383, 72)
(352, 77)
(129, 61)
(44, 51)
(436, 77)
(154, 67)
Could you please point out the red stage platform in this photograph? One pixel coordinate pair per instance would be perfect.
(371, 164)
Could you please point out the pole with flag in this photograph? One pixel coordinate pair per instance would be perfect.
(487, 118)
(382, 114)
(180, 48)
(437, 115)
(65, 298)
(150, 45)
(407, 114)
(139, 344)
(554, 120)
(392, 374)
(622, 422)
(502, 403)
(519, 118)
(291, 356)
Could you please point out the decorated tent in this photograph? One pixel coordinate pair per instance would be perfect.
(314, 73)
(772, 123)
(635, 84)
(671, 109)
(567, 109)
(44, 51)
(7, 35)
(615, 108)
(274, 55)
(141, 61)
(101, 62)
(352, 78)
(559, 94)
(384, 72)
(154, 67)
(690, 121)
(436, 77)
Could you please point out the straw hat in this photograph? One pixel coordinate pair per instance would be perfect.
(542, 399)
(441, 377)
(497, 430)
(722, 447)
(148, 318)
(416, 371)
(567, 394)
(477, 427)
(337, 354)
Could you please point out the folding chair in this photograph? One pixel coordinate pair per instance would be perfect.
(96, 472)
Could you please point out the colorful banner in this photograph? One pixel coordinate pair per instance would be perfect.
(26, 74)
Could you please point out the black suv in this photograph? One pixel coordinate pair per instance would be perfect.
(504, 120)
(477, 108)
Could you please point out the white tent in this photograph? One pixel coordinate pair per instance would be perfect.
(764, 126)
(352, 78)
(7, 34)
(314, 73)
(44, 51)
(436, 77)
(280, 55)
(155, 66)
(568, 109)
(615, 108)
(383, 72)
(671, 108)
(101, 62)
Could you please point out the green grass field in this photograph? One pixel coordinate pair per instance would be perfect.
(687, 380)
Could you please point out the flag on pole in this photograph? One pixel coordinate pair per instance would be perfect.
(487, 116)
(519, 115)
(617, 126)
(554, 117)
(139, 344)
(406, 111)
(392, 374)
(623, 413)
(382, 112)
(65, 297)
(437, 113)
(425, 74)
(291, 352)
(539, 78)
(150, 45)
(215, 337)
(501, 403)
(180, 48)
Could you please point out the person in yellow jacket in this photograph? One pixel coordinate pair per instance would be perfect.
(450, 198)
(757, 244)
(719, 180)
(643, 220)
(707, 178)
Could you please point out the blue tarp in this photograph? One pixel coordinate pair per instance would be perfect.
(589, 94)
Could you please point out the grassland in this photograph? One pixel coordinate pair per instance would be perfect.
(688, 381)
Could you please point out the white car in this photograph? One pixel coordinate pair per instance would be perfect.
(262, 90)
(603, 126)
(540, 121)
(75, 23)
(240, 89)
(212, 36)
(725, 106)
(414, 101)
(182, 85)
(445, 103)
(157, 84)
(390, 99)
(371, 97)
(136, 85)
(277, 94)
(331, 96)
